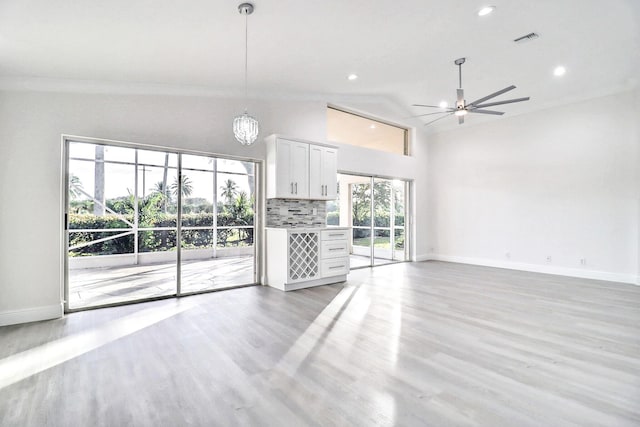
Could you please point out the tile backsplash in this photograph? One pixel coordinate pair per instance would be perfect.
(296, 213)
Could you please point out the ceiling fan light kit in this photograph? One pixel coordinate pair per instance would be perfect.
(463, 108)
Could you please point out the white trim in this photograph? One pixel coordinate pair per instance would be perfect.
(423, 257)
(561, 271)
(33, 314)
(311, 283)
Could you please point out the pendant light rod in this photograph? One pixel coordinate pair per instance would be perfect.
(246, 127)
(246, 9)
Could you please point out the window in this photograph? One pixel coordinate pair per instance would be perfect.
(352, 129)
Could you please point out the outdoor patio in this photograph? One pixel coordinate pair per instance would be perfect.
(108, 285)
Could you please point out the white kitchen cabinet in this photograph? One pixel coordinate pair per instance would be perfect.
(288, 169)
(334, 252)
(299, 258)
(323, 170)
(299, 169)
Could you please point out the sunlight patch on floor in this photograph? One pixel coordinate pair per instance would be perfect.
(35, 360)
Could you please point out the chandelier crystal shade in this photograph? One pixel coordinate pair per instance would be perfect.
(245, 127)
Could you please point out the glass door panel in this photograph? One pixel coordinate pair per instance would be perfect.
(235, 222)
(400, 250)
(382, 211)
(360, 220)
(217, 224)
(108, 258)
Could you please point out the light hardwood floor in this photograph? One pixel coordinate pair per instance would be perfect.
(428, 343)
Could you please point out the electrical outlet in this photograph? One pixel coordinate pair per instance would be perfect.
(583, 261)
(548, 258)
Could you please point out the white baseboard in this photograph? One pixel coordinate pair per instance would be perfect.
(423, 257)
(33, 314)
(547, 269)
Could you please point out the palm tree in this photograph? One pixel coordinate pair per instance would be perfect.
(75, 187)
(187, 187)
(229, 190)
(160, 187)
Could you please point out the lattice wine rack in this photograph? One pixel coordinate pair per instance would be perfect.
(303, 255)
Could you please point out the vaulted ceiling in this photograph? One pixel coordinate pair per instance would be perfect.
(402, 51)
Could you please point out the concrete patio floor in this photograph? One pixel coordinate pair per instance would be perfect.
(108, 285)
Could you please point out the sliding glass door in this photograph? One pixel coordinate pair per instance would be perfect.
(145, 224)
(375, 209)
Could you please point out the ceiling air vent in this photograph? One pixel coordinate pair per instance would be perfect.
(526, 38)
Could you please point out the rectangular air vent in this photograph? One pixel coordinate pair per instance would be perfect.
(526, 38)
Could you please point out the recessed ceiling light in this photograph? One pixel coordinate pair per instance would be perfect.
(352, 76)
(443, 104)
(372, 126)
(486, 10)
(559, 71)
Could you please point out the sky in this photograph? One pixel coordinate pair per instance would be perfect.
(120, 178)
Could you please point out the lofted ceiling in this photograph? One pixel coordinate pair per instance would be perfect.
(402, 51)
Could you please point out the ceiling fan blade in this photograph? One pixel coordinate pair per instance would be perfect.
(439, 118)
(460, 120)
(427, 114)
(460, 94)
(493, 95)
(508, 101)
(495, 113)
(423, 105)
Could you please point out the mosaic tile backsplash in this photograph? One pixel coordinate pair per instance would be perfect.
(287, 213)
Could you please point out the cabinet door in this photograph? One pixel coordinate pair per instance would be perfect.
(299, 170)
(330, 173)
(316, 172)
(284, 183)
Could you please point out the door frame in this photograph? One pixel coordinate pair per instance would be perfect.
(408, 224)
(258, 218)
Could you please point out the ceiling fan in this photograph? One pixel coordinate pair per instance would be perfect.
(462, 107)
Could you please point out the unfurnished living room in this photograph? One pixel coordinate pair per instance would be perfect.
(336, 213)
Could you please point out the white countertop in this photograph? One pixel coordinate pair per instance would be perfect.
(305, 229)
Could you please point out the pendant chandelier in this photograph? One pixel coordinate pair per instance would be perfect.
(245, 127)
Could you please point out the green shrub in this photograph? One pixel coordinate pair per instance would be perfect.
(157, 240)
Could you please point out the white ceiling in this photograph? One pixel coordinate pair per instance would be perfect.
(403, 51)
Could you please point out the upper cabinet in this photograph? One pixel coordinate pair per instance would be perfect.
(290, 170)
(301, 170)
(323, 170)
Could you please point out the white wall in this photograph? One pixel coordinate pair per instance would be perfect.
(562, 182)
(31, 124)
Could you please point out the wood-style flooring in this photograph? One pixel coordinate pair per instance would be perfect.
(424, 344)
